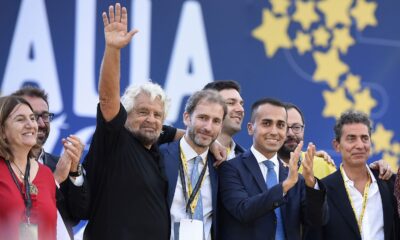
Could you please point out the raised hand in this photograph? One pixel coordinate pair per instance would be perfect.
(73, 148)
(308, 164)
(116, 27)
(293, 175)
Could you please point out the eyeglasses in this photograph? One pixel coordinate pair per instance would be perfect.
(296, 128)
(45, 116)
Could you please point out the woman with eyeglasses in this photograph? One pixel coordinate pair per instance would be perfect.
(27, 188)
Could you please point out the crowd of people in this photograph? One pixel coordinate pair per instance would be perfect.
(144, 180)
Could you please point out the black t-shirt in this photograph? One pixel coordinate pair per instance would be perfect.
(127, 183)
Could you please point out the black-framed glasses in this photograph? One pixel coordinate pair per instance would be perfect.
(296, 128)
(45, 116)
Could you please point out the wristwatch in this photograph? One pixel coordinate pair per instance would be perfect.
(77, 173)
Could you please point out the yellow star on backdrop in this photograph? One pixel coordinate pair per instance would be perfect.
(321, 37)
(342, 39)
(273, 33)
(352, 83)
(329, 67)
(280, 6)
(396, 148)
(305, 14)
(302, 42)
(364, 102)
(336, 11)
(381, 138)
(336, 103)
(392, 160)
(364, 14)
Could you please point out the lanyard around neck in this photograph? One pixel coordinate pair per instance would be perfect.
(26, 196)
(192, 200)
(364, 203)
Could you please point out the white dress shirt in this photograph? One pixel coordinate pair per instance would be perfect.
(232, 153)
(178, 206)
(261, 158)
(372, 224)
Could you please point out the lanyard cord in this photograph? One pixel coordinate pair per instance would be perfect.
(364, 203)
(193, 194)
(26, 196)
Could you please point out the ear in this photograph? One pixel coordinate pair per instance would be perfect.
(336, 145)
(186, 118)
(250, 128)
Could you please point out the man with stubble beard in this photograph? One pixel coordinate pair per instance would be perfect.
(322, 166)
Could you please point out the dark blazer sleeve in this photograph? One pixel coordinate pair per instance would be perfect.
(72, 201)
(239, 203)
(316, 206)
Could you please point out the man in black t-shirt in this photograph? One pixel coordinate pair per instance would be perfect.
(126, 176)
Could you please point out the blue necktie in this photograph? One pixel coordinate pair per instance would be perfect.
(271, 181)
(194, 177)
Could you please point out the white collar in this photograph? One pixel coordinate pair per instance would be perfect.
(348, 180)
(261, 158)
(189, 152)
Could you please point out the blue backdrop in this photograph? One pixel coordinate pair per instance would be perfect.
(325, 56)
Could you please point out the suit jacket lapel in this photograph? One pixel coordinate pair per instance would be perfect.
(341, 201)
(171, 162)
(251, 163)
(387, 206)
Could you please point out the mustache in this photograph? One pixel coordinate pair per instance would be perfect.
(290, 138)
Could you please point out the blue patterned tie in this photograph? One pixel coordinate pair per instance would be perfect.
(194, 177)
(271, 181)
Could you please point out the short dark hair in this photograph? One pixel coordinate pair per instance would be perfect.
(32, 91)
(350, 117)
(271, 101)
(222, 85)
(289, 106)
(207, 95)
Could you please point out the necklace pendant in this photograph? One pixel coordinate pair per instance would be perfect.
(33, 189)
(22, 177)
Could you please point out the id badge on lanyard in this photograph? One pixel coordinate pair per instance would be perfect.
(28, 231)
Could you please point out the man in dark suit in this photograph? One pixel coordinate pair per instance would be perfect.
(361, 205)
(192, 179)
(261, 199)
(230, 92)
(72, 195)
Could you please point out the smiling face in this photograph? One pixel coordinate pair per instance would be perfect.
(40, 106)
(146, 119)
(354, 144)
(268, 129)
(292, 139)
(234, 117)
(20, 128)
(203, 125)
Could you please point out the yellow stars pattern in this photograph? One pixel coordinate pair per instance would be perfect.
(364, 13)
(329, 67)
(325, 29)
(364, 101)
(392, 160)
(336, 103)
(280, 6)
(342, 39)
(352, 83)
(321, 37)
(273, 33)
(302, 42)
(381, 138)
(335, 12)
(305, 14)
